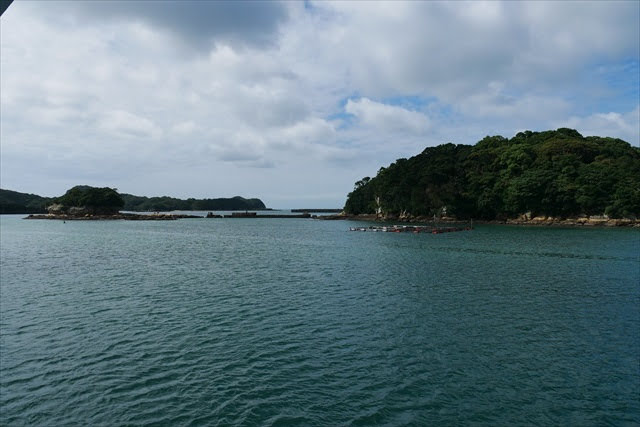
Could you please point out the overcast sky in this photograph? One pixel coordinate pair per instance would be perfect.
(293, 102)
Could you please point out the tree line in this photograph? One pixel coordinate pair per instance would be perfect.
(551, 173)
(107, 200)
(165, 203)
(14, 202)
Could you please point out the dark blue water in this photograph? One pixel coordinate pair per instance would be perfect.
(300, 322)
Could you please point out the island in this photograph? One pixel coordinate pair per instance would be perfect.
(551, 177)
(84, 202)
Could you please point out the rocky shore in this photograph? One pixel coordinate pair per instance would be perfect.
(118, 216)
(593, 221)
(549, 221)
(586, 221)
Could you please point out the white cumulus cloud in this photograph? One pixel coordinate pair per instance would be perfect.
(388, 118)
(625, 126)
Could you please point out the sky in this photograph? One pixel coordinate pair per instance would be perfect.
(294, 102)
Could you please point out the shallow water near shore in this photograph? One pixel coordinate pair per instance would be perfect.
(296, 321)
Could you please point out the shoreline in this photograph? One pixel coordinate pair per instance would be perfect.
(536, 221)
(158, 216)
(580, 222)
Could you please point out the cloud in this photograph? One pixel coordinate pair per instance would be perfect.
(625, 126)
(124, 124)
(184, 128)
(201, 98)
(310, 131)
(385, 117)
(494, 102)
(198, 24)
(238, 147)
(451, 50)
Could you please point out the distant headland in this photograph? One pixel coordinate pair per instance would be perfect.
(102, 203)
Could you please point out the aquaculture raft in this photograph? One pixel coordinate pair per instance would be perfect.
(411, 229)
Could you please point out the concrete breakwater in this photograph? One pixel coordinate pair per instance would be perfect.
(255, 215)
(317, 210)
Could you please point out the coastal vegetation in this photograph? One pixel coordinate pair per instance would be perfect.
(152, 204)
(85, 199)
(107, 200)
(13, 202)
(553, 173)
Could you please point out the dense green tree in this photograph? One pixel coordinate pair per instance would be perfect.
(92, 199)
(361, 200)
(13, 202)
(165, 203)
(556, 173)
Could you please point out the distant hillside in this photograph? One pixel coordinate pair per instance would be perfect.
(12, 202)
(552, 173)
(152, 204)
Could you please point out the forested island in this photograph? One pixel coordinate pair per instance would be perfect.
(106, 200)
(557, 174)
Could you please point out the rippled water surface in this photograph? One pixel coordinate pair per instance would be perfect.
(293, 321)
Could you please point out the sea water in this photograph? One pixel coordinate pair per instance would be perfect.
(301, 322)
